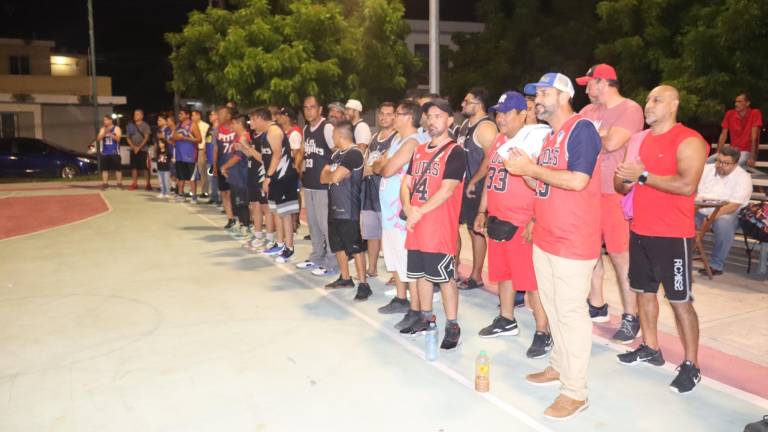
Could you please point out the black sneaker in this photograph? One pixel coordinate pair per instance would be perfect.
(408, 320)
(598, 314)
(284, 256)
(628, 329)
(688, 375)
(307, 237)
(519, 299)
(470, 284)
(341, 283)
(230, 224)
(452, 338)
(715, 272)
(541, 345)
(643, 354)
(396, 305)
(500, 327)
(363, 292)
(418, 327)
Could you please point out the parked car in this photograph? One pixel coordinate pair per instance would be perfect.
(24, 157)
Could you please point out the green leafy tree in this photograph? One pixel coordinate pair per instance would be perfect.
(709, 50)
(522, 40)
(276, 52)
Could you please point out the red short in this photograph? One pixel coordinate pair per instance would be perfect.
(615, 228)
(512, 260)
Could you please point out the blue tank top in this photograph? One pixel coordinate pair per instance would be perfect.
(389, 189)
(110, 145)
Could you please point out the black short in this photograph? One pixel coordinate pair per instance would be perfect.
(469, 206)
(344, 235)
(223, 183)
(139, 160)
(186, 171)
(661, 260)
(283, 196)
(433, 266)
(256, 194)
(111, 163)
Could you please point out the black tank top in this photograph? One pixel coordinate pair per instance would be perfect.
(474, 150)
(317, 154)
(285, 166)
(372, 183)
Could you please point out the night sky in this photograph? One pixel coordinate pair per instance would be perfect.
(129, 36)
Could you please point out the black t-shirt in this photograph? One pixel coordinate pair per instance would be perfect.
(163, 160)
(344, 199)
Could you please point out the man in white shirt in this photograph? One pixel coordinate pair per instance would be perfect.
(723, 180)
(360, 129)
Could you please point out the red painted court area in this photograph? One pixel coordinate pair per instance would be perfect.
(29, 214)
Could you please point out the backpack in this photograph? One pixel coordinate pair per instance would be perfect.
(753, 220)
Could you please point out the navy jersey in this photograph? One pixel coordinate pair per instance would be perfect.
(317, 154)
(372, 183)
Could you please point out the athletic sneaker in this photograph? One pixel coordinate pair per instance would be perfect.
(341, 283)
(363, 292)
(194, 199)
(160, 196)
(230, 224)
(305, 265)
(396, 305)
(688, 375)
(408, 320)
(470, 284)
(519, 299)
(643, 354)
(452, 338)
(272, 249)
(284, 256)
(179, 199)
(238, 233)
(541, 345)
(253, 244)
(500, 326)
(322, 271)
(628, 329)
(598, 314)
(418, 327)
(307, 237)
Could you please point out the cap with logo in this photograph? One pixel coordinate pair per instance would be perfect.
(440, 104)
(510, 100)
(555, 80)
(336, 105)
(602, 70)
(355, 105)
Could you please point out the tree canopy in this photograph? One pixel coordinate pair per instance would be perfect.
(259, 52)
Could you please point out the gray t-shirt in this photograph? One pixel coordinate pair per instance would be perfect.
(137, 133)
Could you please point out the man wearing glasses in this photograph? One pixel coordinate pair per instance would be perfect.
(727, 181)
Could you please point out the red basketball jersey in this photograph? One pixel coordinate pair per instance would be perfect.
(438, 230)
(567, 222)
(509, 198)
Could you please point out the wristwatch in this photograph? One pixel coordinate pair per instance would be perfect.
(643, 177)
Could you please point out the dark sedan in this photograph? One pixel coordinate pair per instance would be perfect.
(24, 157)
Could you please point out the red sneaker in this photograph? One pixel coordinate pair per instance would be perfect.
(149, 187)
(133, 186)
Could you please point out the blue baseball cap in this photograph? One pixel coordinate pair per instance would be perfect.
(510, 100)
(554, 80)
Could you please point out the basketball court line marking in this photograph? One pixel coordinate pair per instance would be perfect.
(709, 382)
(455, 376)
(101, 195)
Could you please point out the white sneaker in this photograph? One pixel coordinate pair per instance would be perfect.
(160, 196)
(305, 265)
(322, 271)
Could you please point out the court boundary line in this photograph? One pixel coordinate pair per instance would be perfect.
(707, 381)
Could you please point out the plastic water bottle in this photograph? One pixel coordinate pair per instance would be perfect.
(430, 342)
(483, 373)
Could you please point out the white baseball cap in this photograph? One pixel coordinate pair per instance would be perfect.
(355, 105)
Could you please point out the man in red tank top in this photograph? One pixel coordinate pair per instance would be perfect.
(671, 162)
(431, 194)
(566, 237)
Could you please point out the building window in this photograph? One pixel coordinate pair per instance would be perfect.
(19, 65)
(9, 123)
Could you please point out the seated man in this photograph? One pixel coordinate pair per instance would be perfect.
(723, 180)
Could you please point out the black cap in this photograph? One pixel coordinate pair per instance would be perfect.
(441, 104)
(288, 111)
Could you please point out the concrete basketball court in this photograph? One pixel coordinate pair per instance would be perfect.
(145, 316)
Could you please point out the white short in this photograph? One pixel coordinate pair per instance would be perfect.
(395, 254)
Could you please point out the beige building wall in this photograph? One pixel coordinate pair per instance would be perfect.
(63, 85)
(39, 53)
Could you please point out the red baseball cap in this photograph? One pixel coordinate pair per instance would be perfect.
(602, 70)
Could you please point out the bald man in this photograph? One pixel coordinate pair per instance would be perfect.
(664, 176)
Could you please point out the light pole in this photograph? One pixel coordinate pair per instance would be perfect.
(434, 46)
(94, 89)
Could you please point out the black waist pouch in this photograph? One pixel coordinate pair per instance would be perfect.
(500, 230)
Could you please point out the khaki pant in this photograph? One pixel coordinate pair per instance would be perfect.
(202, 168)
(563, 288)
